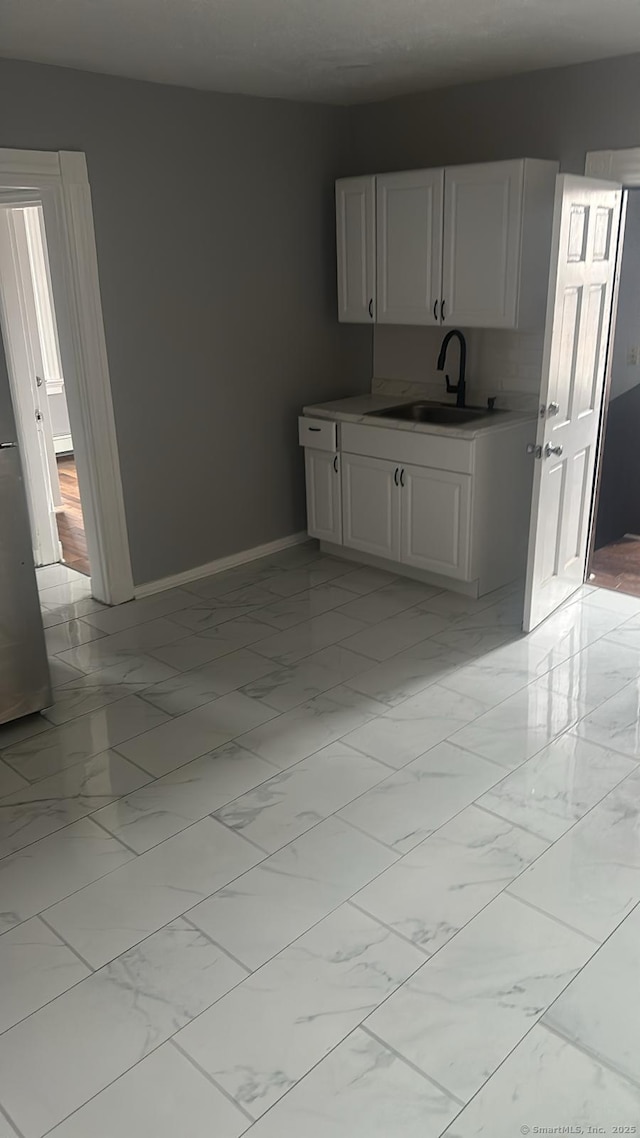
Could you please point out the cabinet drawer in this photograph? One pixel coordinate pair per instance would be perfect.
(321, 434)
(420, 449)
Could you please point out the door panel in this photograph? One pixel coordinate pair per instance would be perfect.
(371, 505)
(324, 505)
(586, 224)
(481, 246)
(409, 246)
(355, 234)
(435, 520)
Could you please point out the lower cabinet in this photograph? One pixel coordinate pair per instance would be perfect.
(371, 505)
(324, 500)
(435, 522)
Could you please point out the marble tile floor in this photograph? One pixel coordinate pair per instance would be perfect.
(306, 848)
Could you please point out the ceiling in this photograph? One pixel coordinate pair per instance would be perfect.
(332, 51)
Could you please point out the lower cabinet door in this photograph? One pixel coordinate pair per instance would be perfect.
(324, 504)
(435, 527)
(371, 505)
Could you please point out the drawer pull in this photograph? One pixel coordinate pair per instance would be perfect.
(313, 428)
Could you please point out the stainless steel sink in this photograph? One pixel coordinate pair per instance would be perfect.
(445, 415)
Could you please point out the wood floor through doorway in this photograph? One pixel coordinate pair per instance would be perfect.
(69, 518)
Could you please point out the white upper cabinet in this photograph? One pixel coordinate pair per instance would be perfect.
(467, 246)
(497, 235)
(356, 245)
(409, 246)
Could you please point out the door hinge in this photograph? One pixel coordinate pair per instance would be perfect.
(39, 415)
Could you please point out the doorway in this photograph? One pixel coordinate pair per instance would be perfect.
(37, 386)
(615, 557)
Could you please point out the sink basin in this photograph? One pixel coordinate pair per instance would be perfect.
(444, 415)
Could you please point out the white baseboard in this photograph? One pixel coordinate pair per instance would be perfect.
(219, 566)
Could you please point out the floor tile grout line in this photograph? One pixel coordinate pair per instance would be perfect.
(115, 837)
(71, 948)
(13, 1125)
(501, 818)
(549, 916)
(413, 1066)
(206, 1075)
(596, 1056)
(396, 933)
(215, 943)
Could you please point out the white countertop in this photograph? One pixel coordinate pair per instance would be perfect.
(356, 410)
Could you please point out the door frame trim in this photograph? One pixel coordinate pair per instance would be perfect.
(59, 180)
(619, 166)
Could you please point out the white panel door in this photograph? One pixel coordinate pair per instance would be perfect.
(435, 515)
(481, 254)
(356, 244)
(583, 255)
(409, 247)
(324, 501)
(371, 505)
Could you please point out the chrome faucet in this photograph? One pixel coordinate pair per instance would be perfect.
(458, 389)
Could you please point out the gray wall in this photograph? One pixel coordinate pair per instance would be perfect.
(560, 114)
(215, 234)
(624, 375)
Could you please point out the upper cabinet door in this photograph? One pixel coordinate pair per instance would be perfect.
(482, 242)
(409, 247)
(356, 239)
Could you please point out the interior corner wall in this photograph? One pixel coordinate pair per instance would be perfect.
(216, 251)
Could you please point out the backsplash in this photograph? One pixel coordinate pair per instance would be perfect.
(507, 365)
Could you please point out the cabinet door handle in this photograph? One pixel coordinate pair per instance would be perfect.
(335, 464)
(402, 477)
(395, 476)
(371, 308)
(441, 310)
(435, 311)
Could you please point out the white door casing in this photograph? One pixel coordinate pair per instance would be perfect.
(356, 244)
(371, 505)
(409, 247)
(59, 181)
(324, 498)
(25, 368)
(581, 286)
(436, 518)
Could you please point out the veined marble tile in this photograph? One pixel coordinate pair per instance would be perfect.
(626, 632)
(299, 1006)
(361, 1090)
(80, 739)
(622, 603)
(217, 584)
(193, 651)
(380, 641)
(178, 741)
(271, 905)
(459, 1017)
(68, 592)
(282, 808)
(596, 673)
(408, 673)
(616, 722)
(487, 680)
(304, 639)
(319, 572)
(53, 1062)
(111, 667)
(24, 728)
(590, 878)
(504, 613)
(298, 733)
(297, 556)
(551, 791)
(161, 1097)
(598, 1011)
(6, 1130)
(109, 916)
(547, 1083)
(286, 688)
(170, 804)
(436, 888)
(10, 781)
(49, 575)
(84, 695)
(363, 579)
(520, 726)
(60, 611)
(575, 626)
(304, 606)
(61, 673)
(455, 605)
(139, 640)
(37, 810)
(60, 637)
(388, 601)
(477, 641)
(120, 617)
(35, 967)
(54, 867)
(413, 727)
(187, 690)
(211, 614)
(404, 809)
